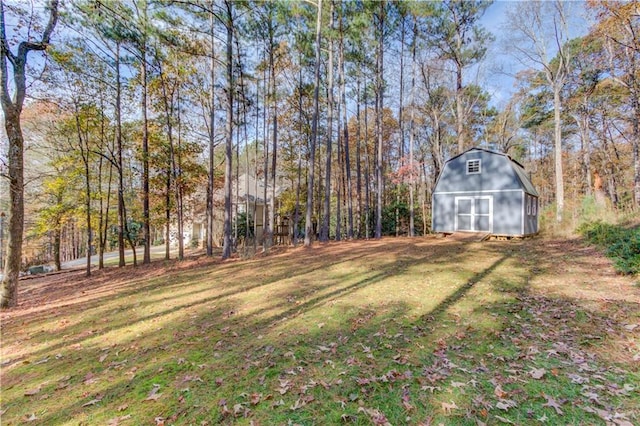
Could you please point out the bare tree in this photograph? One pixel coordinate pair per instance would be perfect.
(538, 35)
(12, 109)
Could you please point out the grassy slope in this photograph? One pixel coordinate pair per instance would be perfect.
(395, 331)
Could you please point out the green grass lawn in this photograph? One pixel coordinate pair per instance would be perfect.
(397, 331)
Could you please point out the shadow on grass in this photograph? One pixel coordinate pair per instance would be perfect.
(243, 359)
(305, 265)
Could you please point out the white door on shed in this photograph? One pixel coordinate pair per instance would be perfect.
(474, 214)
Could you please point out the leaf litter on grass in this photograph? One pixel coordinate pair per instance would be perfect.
(494, 347)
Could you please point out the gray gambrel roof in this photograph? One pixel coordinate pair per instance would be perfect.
(518, 169)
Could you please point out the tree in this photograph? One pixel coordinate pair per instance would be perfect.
(459, 38)
(380, 14)
(619, 27)
(582, 81)
(530, 38)
(326, 220)
(12, 108)
(229, 24)
(314, 132)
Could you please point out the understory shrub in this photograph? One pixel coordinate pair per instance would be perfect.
(621, 244)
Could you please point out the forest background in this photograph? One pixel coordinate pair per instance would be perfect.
(141, 116)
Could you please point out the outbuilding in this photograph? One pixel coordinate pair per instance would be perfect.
(485, 191)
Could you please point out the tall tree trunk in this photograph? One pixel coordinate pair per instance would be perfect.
(212, 123)
(167, 213)
(358, 162)
(345, 127)
(314, 133)
(558, 151)
(274, 156)
(582, 121)
(635, 141)
(120, 165)
(367, 168)
(12, 109)
(255, 198)
(326, 217)
(266, 226)
(83, 145)
(172, 166)
(412, 132)
(401, 123)
(459, 110)
(379, 118)
(296, 213)
(340, 175)
(179, 184)
(56, 247)
(226, 248)
(146, 220)
(129, 239)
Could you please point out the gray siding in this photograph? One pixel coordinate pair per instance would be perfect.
(501, 185)
(496, 173)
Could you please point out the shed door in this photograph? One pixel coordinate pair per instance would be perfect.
(474, 214)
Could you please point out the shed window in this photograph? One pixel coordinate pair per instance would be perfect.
(473, 167)
(534, 206)
(528, 206)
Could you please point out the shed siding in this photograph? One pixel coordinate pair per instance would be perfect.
(496, 173)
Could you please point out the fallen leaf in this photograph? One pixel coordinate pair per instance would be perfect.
(256, 398)
(553, 404)
(123, 407)
(499, 392)
(377, 417)
(577, 379)
(297, 405)
(505, 404)
(406, 400)
(154, 395)
(31, 418)
(92, 402)
(603, 414)
(503, 420)
(89, 378)
(32, 392)
(537, 373)
(103, 357)
(446, 407)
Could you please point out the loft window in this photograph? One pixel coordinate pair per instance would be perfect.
(473, 167)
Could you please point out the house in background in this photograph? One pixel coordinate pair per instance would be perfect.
(485, 191)
(248, 193)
